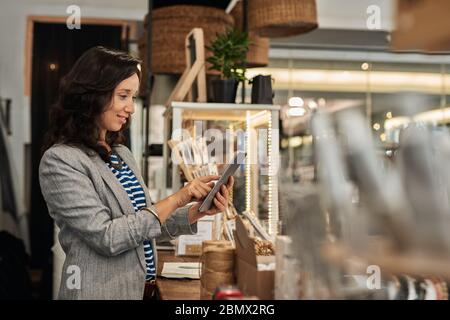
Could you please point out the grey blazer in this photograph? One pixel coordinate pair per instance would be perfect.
(99, 232)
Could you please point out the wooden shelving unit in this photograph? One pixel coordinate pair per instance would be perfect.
(245, 117)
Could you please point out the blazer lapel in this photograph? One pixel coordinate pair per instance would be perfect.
(117, 189)
(120, 194)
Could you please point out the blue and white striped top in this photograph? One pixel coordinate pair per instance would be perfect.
(136, 194)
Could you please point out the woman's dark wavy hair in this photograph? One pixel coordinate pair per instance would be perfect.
(84, 94)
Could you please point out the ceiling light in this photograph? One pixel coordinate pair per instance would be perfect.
(295, 142)
(356, 81)
(296, 112)
(296, 102)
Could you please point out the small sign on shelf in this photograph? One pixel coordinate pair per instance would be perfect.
(191, 245)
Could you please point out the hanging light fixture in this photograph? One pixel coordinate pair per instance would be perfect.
(282, 18)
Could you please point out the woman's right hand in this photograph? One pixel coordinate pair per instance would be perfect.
(197, 189)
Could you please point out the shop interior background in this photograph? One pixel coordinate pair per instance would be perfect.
(348, 62)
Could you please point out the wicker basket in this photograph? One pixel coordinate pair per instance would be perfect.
(169, 30)
(258, 53)
(282, 18)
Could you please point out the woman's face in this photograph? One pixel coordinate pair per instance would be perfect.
(121, 107)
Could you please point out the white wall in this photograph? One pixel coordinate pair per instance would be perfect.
(12, 32)
(352, 14)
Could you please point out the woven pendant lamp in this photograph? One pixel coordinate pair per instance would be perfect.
(258, 53)
(282, 18)
(170, 28)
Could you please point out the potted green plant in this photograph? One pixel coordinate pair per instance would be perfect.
(229, 51)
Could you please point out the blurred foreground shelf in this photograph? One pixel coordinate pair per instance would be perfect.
(411, 264)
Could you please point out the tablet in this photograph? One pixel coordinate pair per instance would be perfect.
(229, 171)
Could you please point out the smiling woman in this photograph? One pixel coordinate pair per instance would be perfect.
(95, 193)
(100, 79)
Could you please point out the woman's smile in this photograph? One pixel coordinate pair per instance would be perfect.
(122, 119)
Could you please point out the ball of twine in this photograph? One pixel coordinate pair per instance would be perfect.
(217, 263)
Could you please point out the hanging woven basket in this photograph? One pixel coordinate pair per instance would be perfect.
(282, 18)
(170, 26)
(258, 53)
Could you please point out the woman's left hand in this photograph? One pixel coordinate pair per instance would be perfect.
(220, 202)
